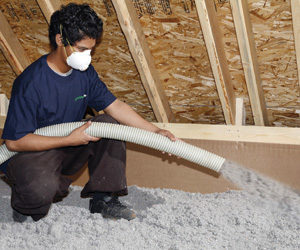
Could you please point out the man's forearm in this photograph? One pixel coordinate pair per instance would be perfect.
(32, 142)
(124, 114)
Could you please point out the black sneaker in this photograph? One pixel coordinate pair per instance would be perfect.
(112, 209)
(18, 217)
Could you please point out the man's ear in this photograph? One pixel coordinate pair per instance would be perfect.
(58, 40)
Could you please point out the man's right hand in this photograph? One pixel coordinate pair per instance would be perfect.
(33, 142)
(80, 137)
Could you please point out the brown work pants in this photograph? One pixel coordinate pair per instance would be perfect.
(39, 178)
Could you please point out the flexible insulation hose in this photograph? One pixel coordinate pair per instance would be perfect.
(134, 135)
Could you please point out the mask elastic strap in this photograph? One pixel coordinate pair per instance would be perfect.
(61, 27)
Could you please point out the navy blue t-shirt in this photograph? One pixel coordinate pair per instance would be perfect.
(41, 97)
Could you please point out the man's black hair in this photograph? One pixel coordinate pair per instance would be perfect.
(78, 21)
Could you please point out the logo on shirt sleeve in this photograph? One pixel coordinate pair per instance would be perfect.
(80, 97)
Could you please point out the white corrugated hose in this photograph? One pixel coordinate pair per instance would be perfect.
(134, 135)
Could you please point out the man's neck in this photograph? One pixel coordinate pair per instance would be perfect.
(57, 62)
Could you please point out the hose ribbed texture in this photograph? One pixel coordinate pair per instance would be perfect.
(134, 135)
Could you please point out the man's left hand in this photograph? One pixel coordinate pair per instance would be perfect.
(168, 134)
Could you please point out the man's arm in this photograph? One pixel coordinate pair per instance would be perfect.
(124, 114)
(119, 110)
(32, 142)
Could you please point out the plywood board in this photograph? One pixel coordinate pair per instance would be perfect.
(29, 25)
(7, 76)
(177, 45)
(143, 59)
(273, 35)
(11, 47)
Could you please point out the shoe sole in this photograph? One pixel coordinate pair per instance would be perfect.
(118, 218)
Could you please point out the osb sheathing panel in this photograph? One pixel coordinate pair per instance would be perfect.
(184, 66)
(272, 25)
(29, 25)
(273, 34)
(176, 42)
(7, 76)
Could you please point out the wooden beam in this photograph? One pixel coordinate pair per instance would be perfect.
(246, 43)
(296, 26)
(11, 47)
(140, 52)
(256, 134)
(215, 48)
(240, 112)
(260, 134)
(48, 7)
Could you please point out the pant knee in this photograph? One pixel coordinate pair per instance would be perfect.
(41, 191)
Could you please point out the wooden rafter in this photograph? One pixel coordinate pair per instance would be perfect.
(296, 26)
(260, 134)
(215, 48)
(140, 51)
(249, 60)
(48, 7)
(11, 47)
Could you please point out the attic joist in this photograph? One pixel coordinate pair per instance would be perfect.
(11, 47)
(215, 48)
(249, 60)
(296, 26)
(140, 52)
(259, 134)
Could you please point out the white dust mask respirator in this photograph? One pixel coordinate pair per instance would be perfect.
(78, 60)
